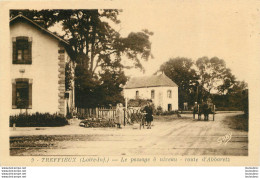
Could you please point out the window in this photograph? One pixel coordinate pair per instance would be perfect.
(22, 50)
(169, 94)
(22, 94)
(137, 94)
(152, 94)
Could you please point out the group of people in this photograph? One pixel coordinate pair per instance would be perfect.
(147, 110)
(201, 109)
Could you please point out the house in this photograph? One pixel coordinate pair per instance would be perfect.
(159, 88)
(38, 65)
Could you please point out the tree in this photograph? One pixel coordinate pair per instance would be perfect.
(228, 81)
(181, 71)
(111, 87)
(45, 18)
(238, 96)
(213, 73)
(95, 46)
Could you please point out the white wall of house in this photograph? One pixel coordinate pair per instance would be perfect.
(160, 96)
(43, 71)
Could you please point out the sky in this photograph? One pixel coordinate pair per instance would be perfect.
(228, 30)
(192, 29)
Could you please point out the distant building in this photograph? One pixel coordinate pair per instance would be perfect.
(159, 88)
(38, 59)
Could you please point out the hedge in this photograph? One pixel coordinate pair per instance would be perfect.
(228, 109)
(38, 120)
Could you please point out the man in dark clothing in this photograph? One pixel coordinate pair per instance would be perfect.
(149, 115)
(206, 111)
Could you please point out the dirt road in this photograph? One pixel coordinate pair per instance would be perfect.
(183, 136)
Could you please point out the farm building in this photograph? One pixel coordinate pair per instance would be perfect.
(159, 88)
(38, 60)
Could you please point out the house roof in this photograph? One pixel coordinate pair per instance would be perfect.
(22, 17)
(150, 81)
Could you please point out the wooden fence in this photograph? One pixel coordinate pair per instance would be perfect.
(101, 112)
(132, 114)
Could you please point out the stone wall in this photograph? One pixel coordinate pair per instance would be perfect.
(61, 80)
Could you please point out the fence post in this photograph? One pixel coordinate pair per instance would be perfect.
(96, 112)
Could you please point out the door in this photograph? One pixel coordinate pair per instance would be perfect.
(169, 107)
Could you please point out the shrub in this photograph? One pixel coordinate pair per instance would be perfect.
(94, 123)
(159, 110)
(164, 113)
(228, 109)
(138, 102)
(169, 112)
(38, 120)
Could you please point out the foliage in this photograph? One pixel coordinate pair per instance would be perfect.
(38, 120)
(45, 18)
(159, 110)
(227, 108)
(228, 82)
(201, 81)
(97, 49)
(111, 87)
(245, 102)
(164, 113)
(103, 91)
(138, 102)
(235, 99)
(91, 123)
(238, 95)
(181, 71)
(214, 74)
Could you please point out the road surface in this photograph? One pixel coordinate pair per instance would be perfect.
(182, 136)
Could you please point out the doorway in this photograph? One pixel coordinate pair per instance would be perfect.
(169, 107)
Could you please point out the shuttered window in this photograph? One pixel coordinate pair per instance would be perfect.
(22, 94)
(22, 50)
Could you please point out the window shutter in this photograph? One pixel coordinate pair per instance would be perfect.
(14, 94)
(30, 94)
(14, 50)
(30, 50)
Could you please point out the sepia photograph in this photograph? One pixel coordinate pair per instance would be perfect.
(74, 91)
(144, 84)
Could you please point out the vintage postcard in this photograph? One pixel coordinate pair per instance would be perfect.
(142, 83)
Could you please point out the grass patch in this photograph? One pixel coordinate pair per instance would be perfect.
(238, 122)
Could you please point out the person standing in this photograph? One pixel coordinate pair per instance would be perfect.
(195, 110)
(149, 114)
(205, 109)
(119, 115)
